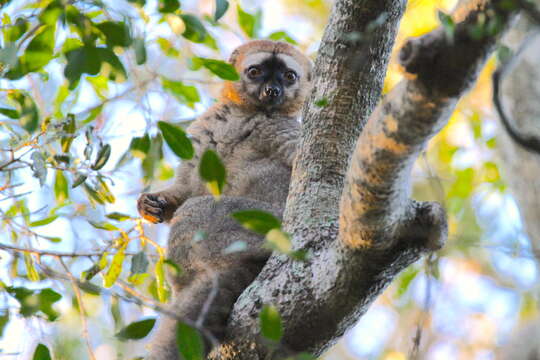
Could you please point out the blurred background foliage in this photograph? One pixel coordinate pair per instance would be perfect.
(83, 85)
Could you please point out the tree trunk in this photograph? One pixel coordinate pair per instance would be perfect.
(520, 94)
(352, 213)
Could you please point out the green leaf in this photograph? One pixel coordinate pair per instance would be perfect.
(177, 140)
(4, 319)
(195, 30)
(282, 35)
(13, 33)
(189, 342)
(251, 24)
(71, 44)
(51, 13)
(213, 172)
(92, 194)
(10, 113)
(82, 60)
(31, 271)
(89, 274)
(38, 53)
(90, 288)
(221, 9)
(82, 25)
(322, 102)
(79, 179)
(68, 127)
(220, 68)
(168, 6)
(448, 24)
(210, 42)
(116, 313)
(33, 301)
(103, 155)
(139, 263)
(140, 3)
(61, 187)
(38, 166)
(118, 216)
(104, 191)
(463, 184)
(47, 297)
(140, 146)
(199, 236)
(279, 240)
(53, 239)
(140, 50)
(161, 284)
(103, 225)
(62, 158)
(136, 330)
(174, 267)
(304, 356)
(42, 353)
(138, 279)
(503, 53)
(256, 220)
(43, 222)
(26, 109)
(476, 31)
(111, 65)
(91, 60)
(116, 33)
(236, 246)
(405, 280)
(186, 94)
(167, 48)
(299, 255)
(114, 270)
(154, 155)
(271, 327)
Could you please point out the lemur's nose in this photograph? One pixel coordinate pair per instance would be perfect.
(272, 91)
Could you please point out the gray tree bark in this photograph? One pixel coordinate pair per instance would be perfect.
(520, 94)
(352, 213)
(520, 97)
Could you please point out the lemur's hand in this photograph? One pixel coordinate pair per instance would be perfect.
(152, 207)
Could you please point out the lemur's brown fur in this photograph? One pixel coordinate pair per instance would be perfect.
(256, 138)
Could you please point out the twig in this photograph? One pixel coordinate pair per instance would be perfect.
(59, 254)
(130, 90)
(82, 310)
(135, 293)
(15, 196)
(414, 353)
(528, 142)
(134, 300)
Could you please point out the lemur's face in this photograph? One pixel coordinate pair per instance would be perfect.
(272, 81)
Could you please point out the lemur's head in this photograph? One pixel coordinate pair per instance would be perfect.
(274, 76)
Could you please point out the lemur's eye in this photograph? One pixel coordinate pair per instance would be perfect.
(290, 76)
(253, 72)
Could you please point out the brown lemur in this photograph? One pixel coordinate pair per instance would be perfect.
(254, 127)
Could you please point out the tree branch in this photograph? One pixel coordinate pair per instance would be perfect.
(382, 231)
(375, 208)
(528, 142)
(349, 74)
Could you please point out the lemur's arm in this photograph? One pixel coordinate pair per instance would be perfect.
(160, 206)
(280, 140)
